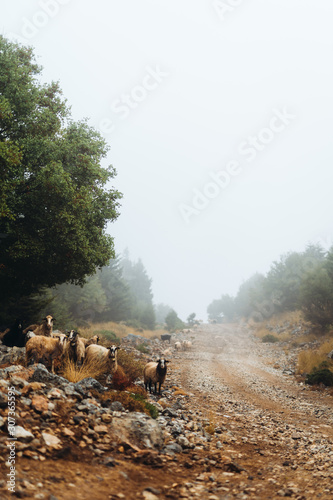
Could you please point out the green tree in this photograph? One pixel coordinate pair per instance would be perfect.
(54, 205)
(316, 297)
(191, 319)
(173, 322)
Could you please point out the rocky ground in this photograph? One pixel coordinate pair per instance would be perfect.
(233, 423)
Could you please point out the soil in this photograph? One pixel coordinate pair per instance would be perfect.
(267, 435)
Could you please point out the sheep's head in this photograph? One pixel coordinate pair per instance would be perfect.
(49, 320)
(162, 364)
(71, 334)
(113, 352)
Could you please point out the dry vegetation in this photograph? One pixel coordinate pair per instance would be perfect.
(283, 326)
(119, 330)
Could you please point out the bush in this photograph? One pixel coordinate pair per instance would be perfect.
(108, 334)
(270, 339)
(143, 348)
(131, 366)
(320, 375)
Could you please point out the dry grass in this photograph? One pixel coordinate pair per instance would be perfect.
(309, 359)
(119, 330)
(74, 373)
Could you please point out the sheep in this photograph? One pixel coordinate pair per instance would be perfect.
(91, 341)
(187, 344)
(155, 373)
(45, 328)
(166, 337)
(40, 349)
(13, 335)
(76, 349)
(99, 354)
(178, 346)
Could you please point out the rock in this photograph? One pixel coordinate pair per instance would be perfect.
(172, 448)
(23, 435)
(138, 429)
(2, 421)
(116, 406)
(101, 429)
(183, 442)
(51, 440)
(41, 374)
(39, 403)
(87, 384)
(3, 400)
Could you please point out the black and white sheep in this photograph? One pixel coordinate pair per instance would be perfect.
(155, 373)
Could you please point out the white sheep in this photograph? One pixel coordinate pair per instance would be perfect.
(102, 356)
(178, 345)
(187, 345)
(45, 328)
(155, 373)
(40, 349)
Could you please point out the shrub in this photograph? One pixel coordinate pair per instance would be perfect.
(120, 380)
(143, 348)
(320, 375)
(131, 366)
(270, 339)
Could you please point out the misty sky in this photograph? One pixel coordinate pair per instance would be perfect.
(219, 116)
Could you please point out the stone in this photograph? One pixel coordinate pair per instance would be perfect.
(51, 440)
(101, 429)
(23, 435)
(39, 403)
(116, 406)
(138, 429)
(86, 384)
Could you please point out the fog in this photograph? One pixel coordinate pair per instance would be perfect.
(219, 118)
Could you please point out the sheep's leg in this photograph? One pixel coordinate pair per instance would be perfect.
(52, 366)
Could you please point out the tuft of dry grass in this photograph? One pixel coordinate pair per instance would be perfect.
(75, 373)
(310, 359)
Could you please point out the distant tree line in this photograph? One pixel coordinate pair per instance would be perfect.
(298, 280)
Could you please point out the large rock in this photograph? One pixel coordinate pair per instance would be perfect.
(41, 374)
(87, 384)
(138, 429)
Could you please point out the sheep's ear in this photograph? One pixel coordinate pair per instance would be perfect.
(53, 319)
(166, 361)
(117, 347)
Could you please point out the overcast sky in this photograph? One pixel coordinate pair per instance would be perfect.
(219, 116)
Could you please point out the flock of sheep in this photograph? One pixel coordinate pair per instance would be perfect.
(43, 345)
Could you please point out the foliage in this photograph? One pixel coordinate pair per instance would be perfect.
(54, 205)
(142, 348)
(295, 280)
(161, 312)
(173, 322)
(320, 375)
(316, 297)
(191, 319)
(131, 366)
(269, 338)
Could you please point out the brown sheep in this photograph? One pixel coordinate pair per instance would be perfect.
(40, 349)
(93, 340)
(45, 328)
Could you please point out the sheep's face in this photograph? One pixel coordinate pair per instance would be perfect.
(162, 363)
(71, 334)
(113, 352)
(49, 320)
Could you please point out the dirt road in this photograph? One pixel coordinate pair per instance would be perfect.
(248, 430)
